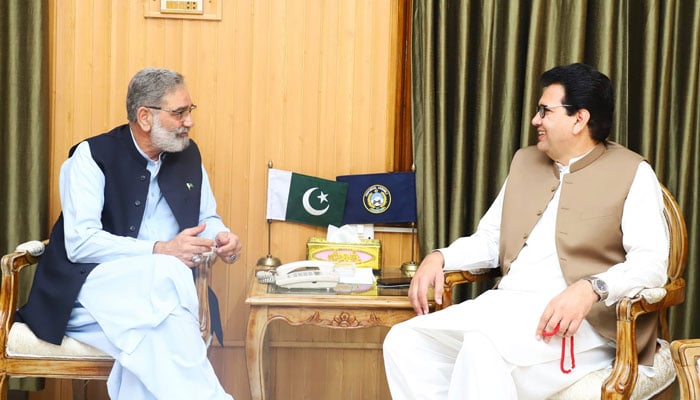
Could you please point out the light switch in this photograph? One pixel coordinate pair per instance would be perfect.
(181, 6)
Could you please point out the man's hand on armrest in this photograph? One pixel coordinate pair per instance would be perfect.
(429, 274)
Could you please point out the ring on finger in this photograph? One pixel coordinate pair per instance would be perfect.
(233, 258)
(197, 258)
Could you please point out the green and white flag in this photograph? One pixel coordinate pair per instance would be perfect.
(306, 199)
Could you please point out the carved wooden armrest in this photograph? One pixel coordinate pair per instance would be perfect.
(454, 278)
(623, 377)
(26, 255)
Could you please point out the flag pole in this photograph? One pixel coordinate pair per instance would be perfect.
(409, 267)
(268, 262)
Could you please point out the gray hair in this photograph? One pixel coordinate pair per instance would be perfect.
(148, 87)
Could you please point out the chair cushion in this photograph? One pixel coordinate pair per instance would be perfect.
(22, 342)
(646, 387)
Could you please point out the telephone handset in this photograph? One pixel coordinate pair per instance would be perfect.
(305, 274)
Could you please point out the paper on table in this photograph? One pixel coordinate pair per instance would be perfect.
(343, 234)
(359, 276)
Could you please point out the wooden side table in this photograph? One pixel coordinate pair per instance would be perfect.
(330, 310)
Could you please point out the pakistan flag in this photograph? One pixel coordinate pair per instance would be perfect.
(305, 199)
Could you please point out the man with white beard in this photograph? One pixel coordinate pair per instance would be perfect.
(137, 213)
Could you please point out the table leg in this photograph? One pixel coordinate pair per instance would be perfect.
(255, 343)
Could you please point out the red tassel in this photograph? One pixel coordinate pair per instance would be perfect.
(563, 350)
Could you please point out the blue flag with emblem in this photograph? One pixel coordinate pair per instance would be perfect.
(382, 198)
(305, 199)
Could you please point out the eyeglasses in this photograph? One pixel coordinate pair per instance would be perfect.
(543, 108)
(180, 113)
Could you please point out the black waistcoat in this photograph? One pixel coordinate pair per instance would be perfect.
(57, 280)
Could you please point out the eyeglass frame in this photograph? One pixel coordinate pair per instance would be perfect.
(179, 114)
(542, 108)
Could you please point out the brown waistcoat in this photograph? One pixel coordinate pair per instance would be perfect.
(588, 232)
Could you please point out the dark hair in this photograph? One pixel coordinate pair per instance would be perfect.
(148, 87)
(585, 87)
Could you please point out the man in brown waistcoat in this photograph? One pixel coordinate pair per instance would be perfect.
(577, 225)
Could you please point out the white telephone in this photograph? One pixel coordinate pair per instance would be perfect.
(305, 274)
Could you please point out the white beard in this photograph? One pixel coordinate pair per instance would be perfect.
(169, 140)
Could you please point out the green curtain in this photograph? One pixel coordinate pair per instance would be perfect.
(475, 83)
(24, 115)
(24, 129)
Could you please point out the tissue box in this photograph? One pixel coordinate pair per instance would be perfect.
(366, 254)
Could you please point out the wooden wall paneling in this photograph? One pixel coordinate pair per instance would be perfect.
(122, 31)
(400, 88)
(116, 71)
(396, 249)
(99, 67)
(236, 88)
(366, 140)
(329, 87)
(227, 96)
(234, 380)
(82, 76)
(62, 110)
(294, 95)
(341, 71)
(310, 92)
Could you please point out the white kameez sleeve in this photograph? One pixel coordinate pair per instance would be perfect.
(479, 250)
(645, 238)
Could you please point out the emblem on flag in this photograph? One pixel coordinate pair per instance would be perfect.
(322, 198)
(377, 199)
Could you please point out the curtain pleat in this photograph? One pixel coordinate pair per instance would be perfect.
(24, 116)
(476, 68)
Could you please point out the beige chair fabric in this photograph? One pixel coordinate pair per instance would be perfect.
(23, 343)
(646, 388)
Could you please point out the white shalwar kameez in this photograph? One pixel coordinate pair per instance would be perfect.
(487, 348)
(140, 308)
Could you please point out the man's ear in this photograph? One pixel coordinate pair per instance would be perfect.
(582, 118)
(144, 118)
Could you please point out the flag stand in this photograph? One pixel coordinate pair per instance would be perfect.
(268, 262)
(409, 267)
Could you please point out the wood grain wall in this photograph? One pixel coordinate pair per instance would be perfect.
(307, 84)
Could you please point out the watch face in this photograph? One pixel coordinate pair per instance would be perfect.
(601, 285)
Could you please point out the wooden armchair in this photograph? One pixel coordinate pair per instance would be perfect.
(24, 355)
(686, 358)
(621, 382)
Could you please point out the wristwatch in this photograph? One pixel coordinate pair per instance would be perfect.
(599, 287)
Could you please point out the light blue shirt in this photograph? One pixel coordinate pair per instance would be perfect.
(81, 185)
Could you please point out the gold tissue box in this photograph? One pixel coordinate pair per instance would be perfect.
(366, 254)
